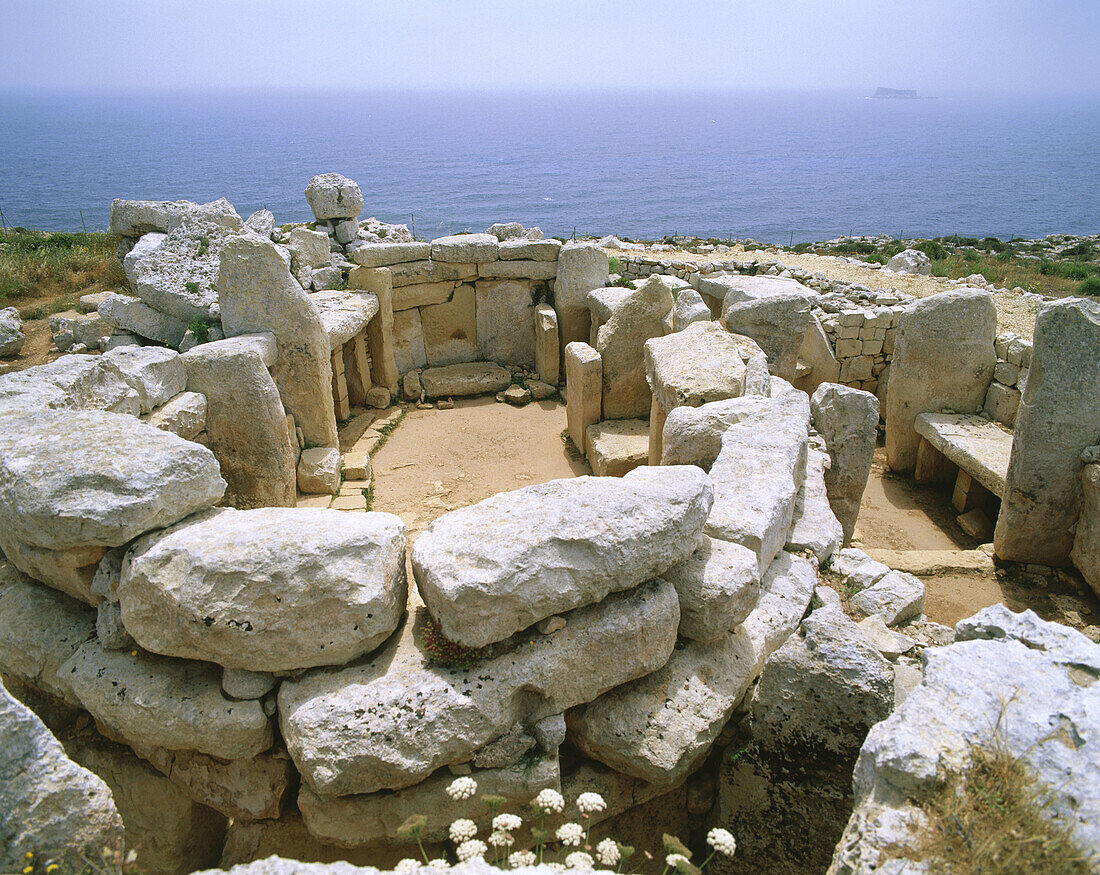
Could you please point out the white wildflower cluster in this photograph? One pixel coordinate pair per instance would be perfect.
(500, 839)
(518, 859)
(579, 860)
(507, 822)
(674, 860)
(462, 788)
(471, 849)
(555, 867)
(549, 802)
(570, 834)
(607, 852)
(722, 841)
(462, 830)
(407, 865)
(439, 863)
(590, 803)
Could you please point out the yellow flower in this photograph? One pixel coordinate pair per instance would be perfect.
(133, 653)
(27, 870)
(53, 867)
(29, 855)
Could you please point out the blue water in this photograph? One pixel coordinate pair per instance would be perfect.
(764, 166)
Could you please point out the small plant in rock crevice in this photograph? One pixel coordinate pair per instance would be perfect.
(199, 327)
(446, 653)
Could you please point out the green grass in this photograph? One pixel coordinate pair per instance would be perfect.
(386, 430)
(1090, 288)
(35, 265)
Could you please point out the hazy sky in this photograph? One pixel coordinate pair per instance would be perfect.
(932, 45)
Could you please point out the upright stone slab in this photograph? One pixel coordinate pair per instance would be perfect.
(506, 322)
(583, 391)
(380, 330)
(258, 293)
(848, 421)
(177, 277)
(817, 352)
(408, 341)
(621, 345)
(1059, 417)
(1086, 541)
(251, 441)
(450, 329)
(943, 357)
(778, 323)
(581, 268)
(547, 351)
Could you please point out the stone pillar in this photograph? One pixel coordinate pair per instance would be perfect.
(340, 403)
(1059, 418)
(1086, 542)
(583, 391)
(848, 421)
(357, 369)
(943, 357)
(657, 417)
(547, 351)
(582, 267)
(380, 329)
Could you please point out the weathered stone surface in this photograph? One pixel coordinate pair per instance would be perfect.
(393, 720)
(1059, 417)
(848, 421)
(581, 268)
(718, 586)
(132, 314)
(822, 691)
(109, 629)
(70, 383)
(308, 249)
(910, 261)
(505, 230)
(859, 569)
(661, 726)
(470, 378)
(183, 415)
(817, 352)
(240, 683)
(757, 477)
(408, 341)
(602, 302)
(889, 644)
(49, 806)
(529, 250)
(501, 565)
(259, 294)
(178, 276)
(506, 322)
(957, 327)
(272, 589)
(897, 597)
(334, 196)
(375, 818)
(583, 391)
(63, 484)
(131, 218)
(168, 830)
(617, 446)
(465, 248)
(978, 446)
(262, 222)
(693, 435)
(450, 329)
(344, 314)
(11, 332)
(525, 270)
(40, 629)
(736, 288)
(165, 702)
(69, 570)
(694, 366)
(621, 344)
(1011, 682)
(1086, 541)
(156, 374)
(418, 273)
(385, 254)
(516, 396)
(319, 471)
(778, 323)
(547, 351)
(70, 328)
(423, 294)
(814, 526)
(1002, 403)
(689, 308)
(251, 442)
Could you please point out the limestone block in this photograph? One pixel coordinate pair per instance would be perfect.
(52, 807)
(547, 353)
(70, 570)
(261, 221)
(409, 352)
(258, 293)
(385, 254)
(319, 471)
(130, 218)
(689, 308)
(701, 363)
(1086, 542)
(334, 196)
(910, 261)
(380, 330)
(957, 327)
(501, 565)
(450, 329)
(529, 250)
(251, 442)
(530, 270)
(183, 415)
(581, 268)
(848, 421)
(1002, 404)
(859, 570)
(415, 273)
(273, 589)
(584, 391)
(778, 323)
(506, 322)
(470, 378)
(814, 526)
(465, 248)
(718, 586)
(897, 597)
(11, 332)
(156, 374)
(344, 314)
(177, 275)
(422, 294)
(308, 249)
(817, 352)
(617, 446)
(1059, 416)
(693, 435)
(132, 314)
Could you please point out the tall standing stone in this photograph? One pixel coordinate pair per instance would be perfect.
(547, 354)
(582, 267)
(583, 391)
(943, 357)
(1059, 417)
(258, 293)
(848, 421)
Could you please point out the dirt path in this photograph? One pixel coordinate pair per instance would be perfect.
(441, 460)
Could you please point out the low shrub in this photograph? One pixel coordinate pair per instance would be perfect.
(1090, 288)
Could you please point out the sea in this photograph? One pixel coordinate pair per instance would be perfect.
(774, 167)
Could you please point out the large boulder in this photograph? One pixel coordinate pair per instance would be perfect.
(308, 249)
(621, 344)
(693, 435)
(135, 316)
(178, 275)
(699, 364)
(581, 268)
(496, 567)
(814, 526)
(910, 261)
(274, 589)
(778, 323)
(391, 721)
(131, 218)
(1059, 417)
(1086, 540)
(72, 382)
(82, 478)
(718, 585)
(11, 332)
(956, 327)
(259, 294)
(155, 373)
(334, 196)
(848, 421)
(50, 807)
(465, 248)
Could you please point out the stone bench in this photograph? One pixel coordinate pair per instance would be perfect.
(978, 447)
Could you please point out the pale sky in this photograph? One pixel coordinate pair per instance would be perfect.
(936, 46)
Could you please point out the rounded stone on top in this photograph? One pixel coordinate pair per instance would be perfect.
(334, 196)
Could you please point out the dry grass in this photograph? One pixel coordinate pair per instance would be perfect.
(1007, 274)
(54, 266)
(997, 820)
